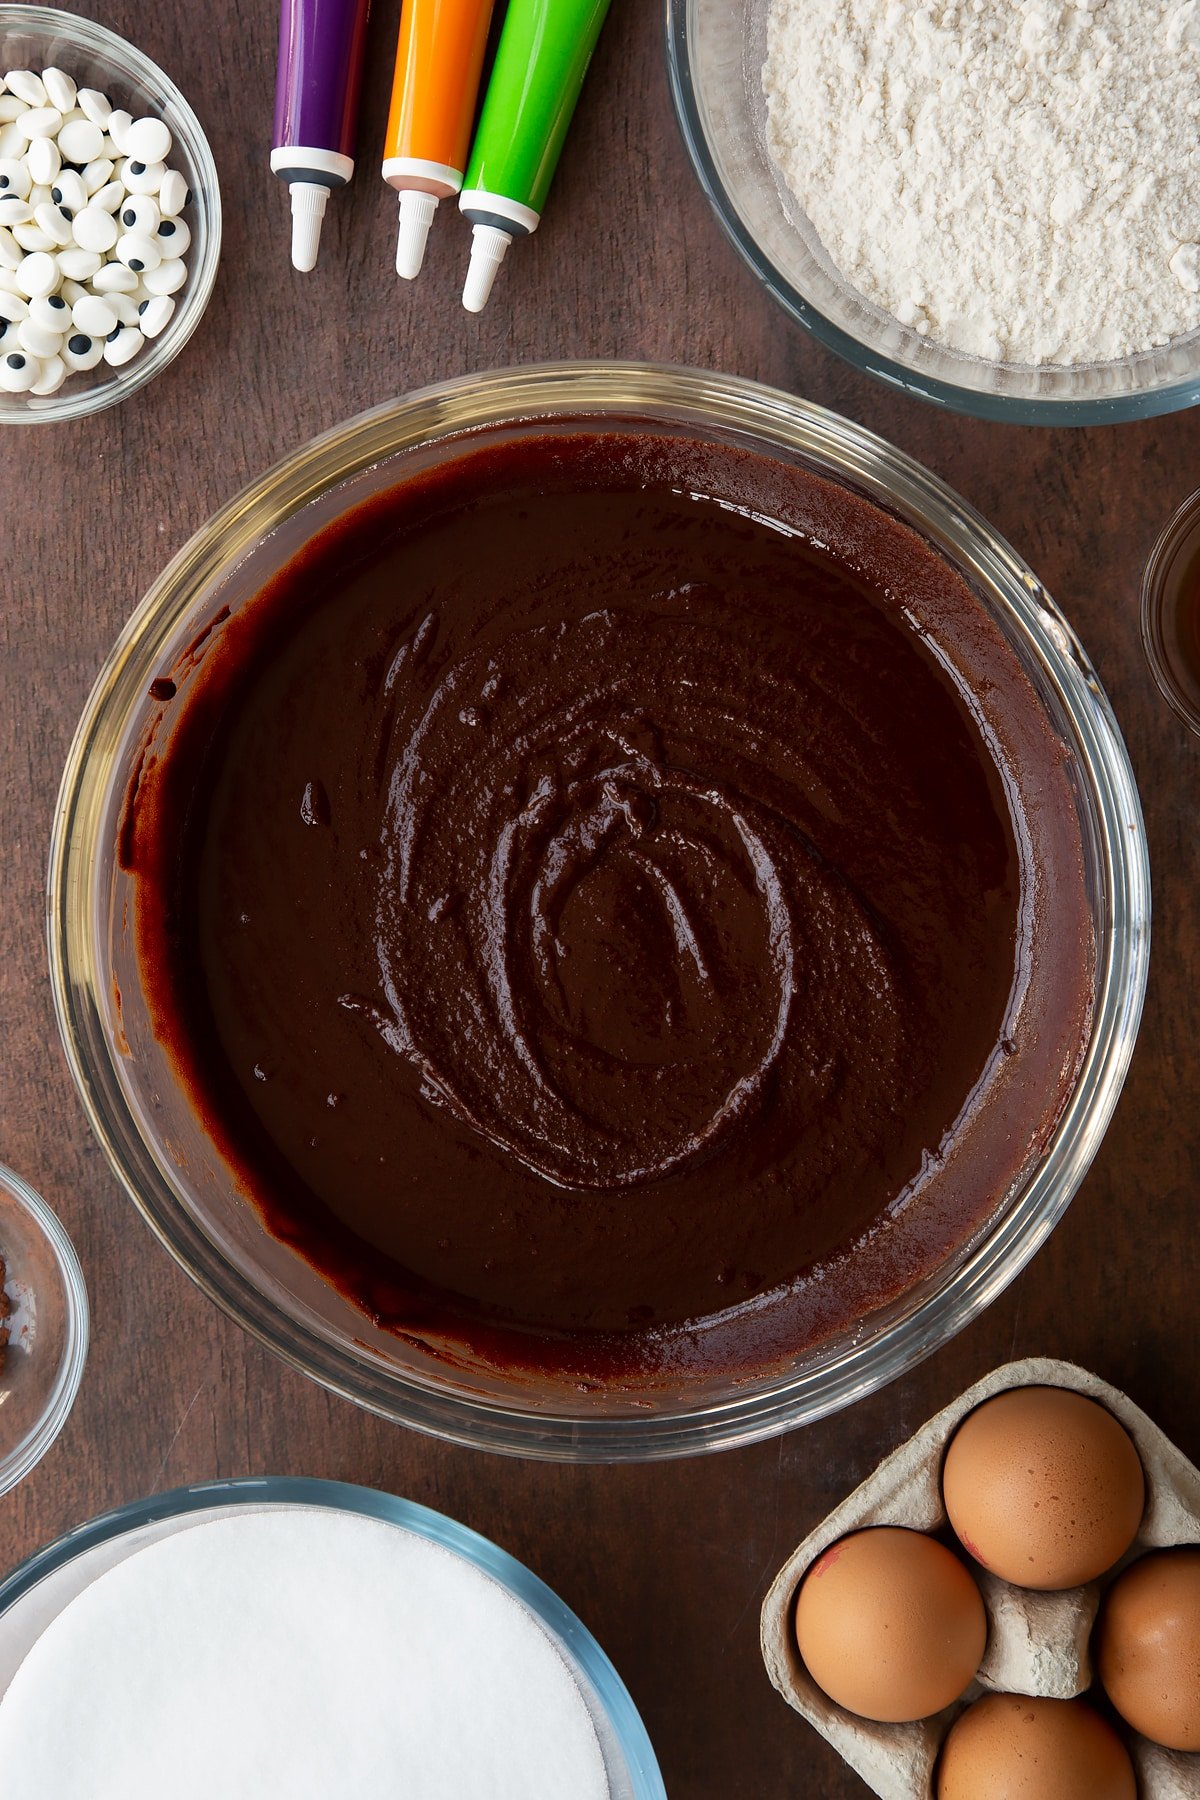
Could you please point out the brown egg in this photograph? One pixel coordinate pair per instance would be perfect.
(1148, 1650)
(890, 1624)
(1043, 1487)
(1009, 1747)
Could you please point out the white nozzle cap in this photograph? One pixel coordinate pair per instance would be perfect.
(416, 216)
(308, 210)
(489, 246)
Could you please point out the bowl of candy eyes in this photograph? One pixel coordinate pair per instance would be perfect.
(110, 217)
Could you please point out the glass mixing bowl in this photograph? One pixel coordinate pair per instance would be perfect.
(33, 1595)
(40, 37)
(160, 1151)
(715, 54)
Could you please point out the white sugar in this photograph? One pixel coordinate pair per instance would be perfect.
(292, 1652)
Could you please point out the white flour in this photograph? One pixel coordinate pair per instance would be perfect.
(1019, 179)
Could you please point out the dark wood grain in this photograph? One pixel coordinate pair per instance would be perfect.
(667, 1565)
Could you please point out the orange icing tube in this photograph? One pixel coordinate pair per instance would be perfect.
(439, 59)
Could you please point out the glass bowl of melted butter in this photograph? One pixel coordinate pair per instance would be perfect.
(561, 892)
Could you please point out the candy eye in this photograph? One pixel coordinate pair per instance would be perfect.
(18, 373)
(155, 314)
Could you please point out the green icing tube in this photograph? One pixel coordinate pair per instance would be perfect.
(542, 58)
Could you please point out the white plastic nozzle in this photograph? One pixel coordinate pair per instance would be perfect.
(308, 210)
(489, 247)
(416, 216)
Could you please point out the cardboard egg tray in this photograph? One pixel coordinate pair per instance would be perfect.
(1037, 1642)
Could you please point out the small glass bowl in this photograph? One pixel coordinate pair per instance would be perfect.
(1162, 621)
(715, 54)
(48, 1329)
(40, 37)
(38, 1590)
(158, 1146)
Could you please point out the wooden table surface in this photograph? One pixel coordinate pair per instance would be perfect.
(667, 1565)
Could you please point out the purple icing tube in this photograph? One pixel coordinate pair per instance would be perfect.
(321, 44)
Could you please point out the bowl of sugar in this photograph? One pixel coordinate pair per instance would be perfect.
(391, 1651)
(976, 205)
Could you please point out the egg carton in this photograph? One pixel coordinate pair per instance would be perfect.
(1037, 1642)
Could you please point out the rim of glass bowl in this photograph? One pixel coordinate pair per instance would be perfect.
(1012, 409)
(610, 1691)
(89, 38)
(25, 1456)
(770, 420)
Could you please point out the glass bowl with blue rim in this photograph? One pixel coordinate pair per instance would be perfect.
(715, 55)
(33, 1595)
(41, 37)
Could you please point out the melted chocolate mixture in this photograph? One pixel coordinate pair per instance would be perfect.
(579, 898)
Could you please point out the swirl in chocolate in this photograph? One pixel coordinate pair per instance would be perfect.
(620, 907)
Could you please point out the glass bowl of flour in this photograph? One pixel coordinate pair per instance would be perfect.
(994, 207)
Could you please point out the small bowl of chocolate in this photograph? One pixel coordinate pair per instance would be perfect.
(600, 910)
(1171, 612)
(43, 1328)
